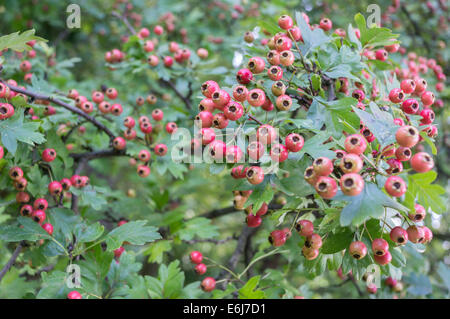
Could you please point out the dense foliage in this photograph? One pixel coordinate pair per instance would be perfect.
(224, 149)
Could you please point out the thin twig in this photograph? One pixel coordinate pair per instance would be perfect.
(11, 261)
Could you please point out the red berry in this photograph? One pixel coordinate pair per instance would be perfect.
(323, 166)
(253, 220)
(422, 162)
(416, 234)
(399, 235)
(428, 234)
(310, 253)
(119, 143)
(143, 171)
(55, 188)
(275, 73)
(419, 213)
(279, 153)
(395, 186)
(326, 187)
(396, 95)
(403, 153)
(277, 238)
(383, 260)
(200, 269)
(285, 22)
(255, 175)
(313, 241)
(381, 55)
(408, 86)
(287, 58)
(208, 284)
(48, 228)
(157, 115)
(266, 134)
(40, 204)
(325, 24)
(240, 93)
(304, 227)
(209, 87)
(74, 295)
(351, 163)
(26, 210)
(48, 155)
(221, 98)
(427, 98)
(352, 184)
(255, 150)
(233, 154)
(196, 257)
(204, 119)
(15, 173)
(160, 149)
(407, 136)
(355, 144)
(427, 116)
(171, 127)
(256, 97)
(358, 250)
(118, 252)
(294, 142)
(359, 95)
(233, 111)
(380, 246)
(244, 76)
(111, 93)
(263, 210)
(38, 216)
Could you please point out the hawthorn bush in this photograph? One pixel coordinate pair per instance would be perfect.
(291, 153)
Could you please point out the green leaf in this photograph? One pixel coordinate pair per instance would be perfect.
(427, 194)
(53, 285)
(369, 203)
(18, 41)
(30, 231)
(37, 183)
(13, 130)
(90, 196)
(85, 233)
(156, 251)
(419, 285)
(373, 36)
(134, 232)
(336, 242)
(198, 227)
(250, 291)
(169, 283)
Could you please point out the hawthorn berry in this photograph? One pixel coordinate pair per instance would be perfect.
(161, 149)
(256, 97)
(48, 155)
(119, 143)
(294, 142)
(143, 171)
(285, 22)
(200, 269)
(395, 166)
(196, 257)
(358, 250)
(66, 184)
(130, 134)
(262, 210)
(380, 246)
(381, 55)
(20, 184)
(207, 135)
(419, 213)
(422, 162)
(371, 288)
(38, 216)
(396, 95)
(209, 87)
(111, 93)
(352, 184)
(26, 210)
(427, 98)
(116, 109)
(15, 173)
(351, 163)
(277, 238)
(403, 153)
(255, 175)
(355, 144)
(384, 259)
(416, 234)
(399, 235)
(105, 107)
(204, 119)
(395, 186)
(118, 252)
(157, 115)
(407, 136)
(238, 172)
(359, 95)
(221, 98)
(266, 134)
(55, 188)
(48, 228)
(129, 122)
(325, 24)
(74, 295)
(427, 116)
(220, 121)
(22, 197)
(326, 187)
(253, 220)
(206, 104)
(256, 65)
(304, 227)
(97, 97)
(273, 57)
(208, 284)
(310, 175)
(233, 111)
(255, 150)
(279, 153)
(287, 58)
(240, 93)
(408, 86)
(428, 234)
(323, 166)
(171, 127)
(144, 155)
(275, 73)
(310, 253)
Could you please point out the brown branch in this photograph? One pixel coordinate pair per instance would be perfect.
(125, 21)
(56, 101)
(214, 241)
(11, 261)
(87, 156)
(172, 86)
